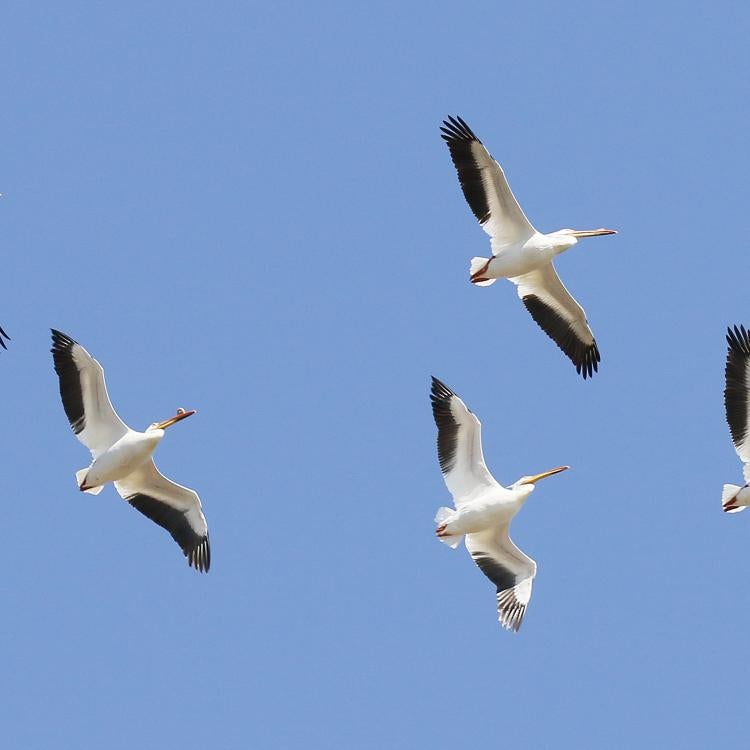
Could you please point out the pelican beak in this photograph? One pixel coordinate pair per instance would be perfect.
(579, 233)
(181, 414)
(544, 475)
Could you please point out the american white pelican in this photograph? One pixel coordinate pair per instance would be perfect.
(3, 334)
(519, 252)
(736, 403)
(123, 456)
(484, 508)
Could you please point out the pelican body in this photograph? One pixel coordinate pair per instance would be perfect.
(523, 257)
(124, 456)
(484, 508)
(520, 253)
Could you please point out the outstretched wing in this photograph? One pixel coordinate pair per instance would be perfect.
(459, 443)
(559, 316)
(484, 186)
(174, 507)
(84, 395)
(508, 568)
(737, 392)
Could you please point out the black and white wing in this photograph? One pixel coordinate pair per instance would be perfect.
(2, 336)
(508, 568)
(560, 317)
(459, 444)
(484, 186)
(174, 507)
(84, 395)
(737, 393)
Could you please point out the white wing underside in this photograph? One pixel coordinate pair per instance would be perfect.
(497, 543)
(103, 427)
(743, 449)
(469, 474)
(148, 480)
(746, 472)
(510, 569)
(546, 284)
(507, 224)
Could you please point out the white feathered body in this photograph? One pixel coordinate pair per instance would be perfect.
(123, 457)
(525, 256)
(495, 507)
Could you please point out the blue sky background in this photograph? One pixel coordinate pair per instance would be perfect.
(246, 208)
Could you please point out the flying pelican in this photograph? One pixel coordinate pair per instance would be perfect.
(520, 253)
(484, 509)
(2, 343)
(736, 403)
(123, 456)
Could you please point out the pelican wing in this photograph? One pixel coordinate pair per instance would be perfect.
(484, 186)
(3, 335)
(737, 392)
(459, 444)
(174, 507)
(84, 395)
(559, 316)
(508, 568)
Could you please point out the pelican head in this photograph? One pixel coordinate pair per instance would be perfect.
(534, 478)
(564, 239)
(181, 414)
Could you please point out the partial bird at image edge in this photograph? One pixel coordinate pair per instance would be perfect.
(736, 402)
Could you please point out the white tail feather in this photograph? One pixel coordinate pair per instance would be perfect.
(443, 516)
(728, 498)
(452, 540)
(477, 264)
(81, 475)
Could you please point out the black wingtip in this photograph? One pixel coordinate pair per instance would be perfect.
(69, 379)
(195, 546)
(61, 340)
(200, 556)
(455, 129)
(736, 395)
(440, 393)
(440, 389)
(510, 610)
(584, 356)
(738, 340)
(590, 363)
(440, 398)
(461, 141)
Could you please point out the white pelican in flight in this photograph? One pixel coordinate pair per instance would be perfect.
(736, 403)
(484, 509)
(519, 252)
(3, 334)
(123, 456)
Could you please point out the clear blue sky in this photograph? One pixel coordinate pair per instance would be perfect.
(246, 209)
